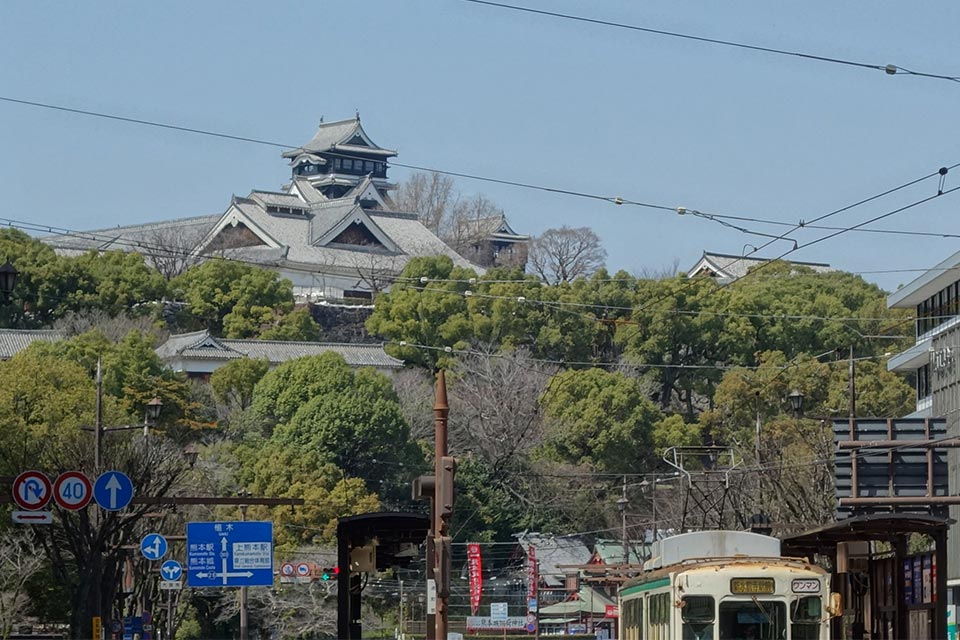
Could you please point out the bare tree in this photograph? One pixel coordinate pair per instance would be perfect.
(20, 559)
(463, 222)
(115, 328)
(430, 195)
(498, 404)
(171, 249)
(287, 611)
(561, 255)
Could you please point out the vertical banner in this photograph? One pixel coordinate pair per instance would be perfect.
(532, 577)
(476, 576)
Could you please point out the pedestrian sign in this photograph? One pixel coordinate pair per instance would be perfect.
(171, 570)
(153, 546)
(113, 490)
(229, 554)
(31, 490)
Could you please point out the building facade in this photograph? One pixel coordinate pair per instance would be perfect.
(932, 362)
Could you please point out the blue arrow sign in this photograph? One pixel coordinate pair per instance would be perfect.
(113, 490)
(153, 546)
(171, 570)
(229, 554)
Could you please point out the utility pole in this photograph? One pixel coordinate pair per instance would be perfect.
(443, 507)
(622, 504)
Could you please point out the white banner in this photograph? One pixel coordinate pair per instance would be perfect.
(486, 622)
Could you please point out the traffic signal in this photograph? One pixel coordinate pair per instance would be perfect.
(329, 574)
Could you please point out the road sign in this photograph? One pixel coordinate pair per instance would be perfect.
(532, 605)
(498, 610)
(229, 554)
(31, 490)
(113, 490)
(303, 569)
(153, 546)
(72, 490)
(171, 585)
(171, 570)
(32, 517)
(286, 569)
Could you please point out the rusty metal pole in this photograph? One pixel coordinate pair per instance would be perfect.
(441, 412)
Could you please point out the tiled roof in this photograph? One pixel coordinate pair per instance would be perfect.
(333, 134)
(200, 345)
(588, 600)
(297, 236)
(179, 234)
(13, 341)
(553, 552)
(735, 267)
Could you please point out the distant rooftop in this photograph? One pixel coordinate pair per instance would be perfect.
(727, 268)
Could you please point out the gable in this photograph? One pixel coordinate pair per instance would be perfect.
(358, 234)
(357, 141)
(234, 237)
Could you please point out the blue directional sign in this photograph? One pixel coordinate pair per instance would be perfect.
(171, 570)
(113, 490)
(153, 546)
(229, 554)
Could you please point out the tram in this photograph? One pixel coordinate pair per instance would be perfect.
(725, 585)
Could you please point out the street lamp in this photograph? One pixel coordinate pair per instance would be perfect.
(8, 280)
(796, 402)
(151, 414)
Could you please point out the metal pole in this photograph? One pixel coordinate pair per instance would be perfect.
(441, 411)
(654, 501)
(401, 608)
(243, 590)
(853, 387)
(170, 614)
(98, 426)
(623, 522)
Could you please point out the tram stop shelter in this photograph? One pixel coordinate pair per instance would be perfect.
(368, 543)
(887, 592)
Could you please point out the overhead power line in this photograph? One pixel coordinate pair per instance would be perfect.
(889, 69)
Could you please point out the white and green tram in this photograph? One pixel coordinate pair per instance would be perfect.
(725, 585)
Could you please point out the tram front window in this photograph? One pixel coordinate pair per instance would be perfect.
(805, 616)
(698, 615)
(754, 619)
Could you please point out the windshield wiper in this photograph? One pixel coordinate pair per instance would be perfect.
(766, 615)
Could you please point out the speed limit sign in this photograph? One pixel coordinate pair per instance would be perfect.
(72, 490)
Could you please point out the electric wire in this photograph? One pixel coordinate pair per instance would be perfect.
(888, 69)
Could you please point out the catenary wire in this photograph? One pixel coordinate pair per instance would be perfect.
(888, 69)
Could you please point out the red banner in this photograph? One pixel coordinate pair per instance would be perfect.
(532, 578)
(476, 576)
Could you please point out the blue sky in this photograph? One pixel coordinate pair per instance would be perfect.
(474, 89)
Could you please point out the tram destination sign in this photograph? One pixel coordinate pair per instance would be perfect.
(752, 586)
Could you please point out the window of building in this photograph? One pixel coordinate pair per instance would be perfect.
(923, 382)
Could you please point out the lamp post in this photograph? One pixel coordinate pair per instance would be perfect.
(151, 414)
(8, 280)
(795, 399)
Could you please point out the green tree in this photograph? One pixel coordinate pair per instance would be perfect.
(233, 383)
(601, 419)
(272, 469)
(233, 299)
(298, 325)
